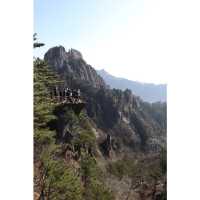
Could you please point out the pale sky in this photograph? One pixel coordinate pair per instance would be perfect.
(126, 38)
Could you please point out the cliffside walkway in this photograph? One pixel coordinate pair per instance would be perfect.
(67, 101)
(67, 97)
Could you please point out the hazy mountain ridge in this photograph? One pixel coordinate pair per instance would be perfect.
(147, 91)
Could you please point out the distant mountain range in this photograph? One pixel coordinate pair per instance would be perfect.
(147, 91)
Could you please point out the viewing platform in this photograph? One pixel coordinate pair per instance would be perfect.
(67, 97)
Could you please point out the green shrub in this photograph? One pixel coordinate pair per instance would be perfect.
(121, 168)
(61, 182)
(97, 191)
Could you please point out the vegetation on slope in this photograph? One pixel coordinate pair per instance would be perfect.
(66, 152)
(54, 177)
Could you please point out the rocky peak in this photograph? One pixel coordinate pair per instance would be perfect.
(56, 57)
(58, 51)
(111, 109)
(75, 54)
(71, 63)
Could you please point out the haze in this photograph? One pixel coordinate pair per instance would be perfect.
(127, 39)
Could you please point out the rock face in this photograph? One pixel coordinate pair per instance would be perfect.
(71, 63)
(124, 126)
(129, 120)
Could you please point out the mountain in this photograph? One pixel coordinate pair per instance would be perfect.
(71, 63)
(114, 149)
(147, 91)
(107, 107)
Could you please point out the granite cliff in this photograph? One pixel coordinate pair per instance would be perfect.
(124, 135)
(119, 113)
(71, 63)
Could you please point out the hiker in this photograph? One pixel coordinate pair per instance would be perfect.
(61, 95)
(75, 96)
(70, 96)
(67, 94)
(79, 95)
(79, 92)
(64, 94)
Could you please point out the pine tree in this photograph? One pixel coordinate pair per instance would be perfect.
(52, 179)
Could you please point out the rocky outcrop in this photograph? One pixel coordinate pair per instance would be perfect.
(130, 121)
(72, 63)
(114, 125)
